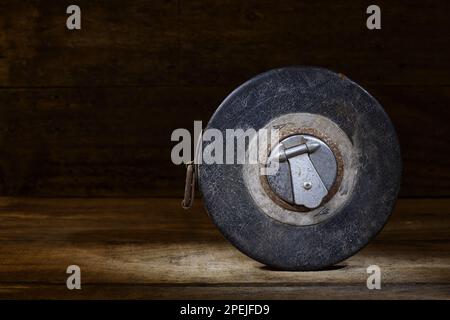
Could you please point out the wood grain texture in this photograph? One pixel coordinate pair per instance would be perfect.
(225, 41)
(90, 112)
(150, 248)
(116, 141)
(219, 42)
(119, 44)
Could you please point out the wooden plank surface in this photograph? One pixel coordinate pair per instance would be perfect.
(219, 42)
(116, 141)
(150, 248)
(90, 112)
(244, 37)
(119, 44)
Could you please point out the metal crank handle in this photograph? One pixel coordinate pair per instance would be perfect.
(189, 187)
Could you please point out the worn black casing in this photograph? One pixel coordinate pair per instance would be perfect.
(290, 247)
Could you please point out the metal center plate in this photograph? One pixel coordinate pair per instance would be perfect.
(286, 183)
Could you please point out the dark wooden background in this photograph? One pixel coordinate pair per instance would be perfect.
(90, 112)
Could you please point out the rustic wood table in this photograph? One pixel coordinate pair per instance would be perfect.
(152, 249)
